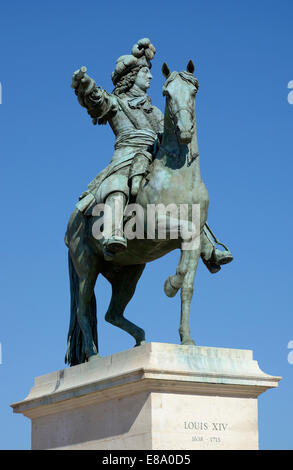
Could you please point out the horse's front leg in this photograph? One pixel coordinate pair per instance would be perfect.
(174, 283)
(186, 297)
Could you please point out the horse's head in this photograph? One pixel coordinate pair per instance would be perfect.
(180, 89)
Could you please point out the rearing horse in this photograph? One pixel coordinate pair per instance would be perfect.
(174, 178)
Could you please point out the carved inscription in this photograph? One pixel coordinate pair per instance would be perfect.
(207, 431)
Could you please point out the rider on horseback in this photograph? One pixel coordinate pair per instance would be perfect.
(136, 124)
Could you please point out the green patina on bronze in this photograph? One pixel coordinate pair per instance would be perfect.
(168, 175)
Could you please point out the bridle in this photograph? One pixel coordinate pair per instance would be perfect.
(183, 108)
(173, 115)
(190, 157)
(187, 77)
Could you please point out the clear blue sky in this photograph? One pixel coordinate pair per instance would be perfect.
(50, 151)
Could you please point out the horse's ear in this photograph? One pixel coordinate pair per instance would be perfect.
(165, 70)
(190, 67)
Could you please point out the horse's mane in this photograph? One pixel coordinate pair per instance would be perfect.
(186, 76)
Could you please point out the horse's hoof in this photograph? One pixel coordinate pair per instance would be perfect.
(188, 342)
(93, 357)
(170, 290)
(140, 343)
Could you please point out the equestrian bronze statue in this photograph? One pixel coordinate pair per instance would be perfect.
(155, 164)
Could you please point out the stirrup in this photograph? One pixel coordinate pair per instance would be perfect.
(219, 257)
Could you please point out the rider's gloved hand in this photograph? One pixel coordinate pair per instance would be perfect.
(82, 84)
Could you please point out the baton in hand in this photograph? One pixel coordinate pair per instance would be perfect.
(77, 76)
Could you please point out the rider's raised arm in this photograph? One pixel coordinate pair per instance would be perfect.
(99, 104)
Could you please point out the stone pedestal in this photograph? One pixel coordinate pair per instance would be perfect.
(156, 396)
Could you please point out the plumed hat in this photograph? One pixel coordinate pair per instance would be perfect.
(142, 53)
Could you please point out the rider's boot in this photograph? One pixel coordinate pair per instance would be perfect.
(114, 241)
(212, 257)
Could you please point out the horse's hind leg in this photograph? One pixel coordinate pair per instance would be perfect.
(123, 288)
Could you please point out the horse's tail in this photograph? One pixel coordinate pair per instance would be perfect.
(75, 353)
